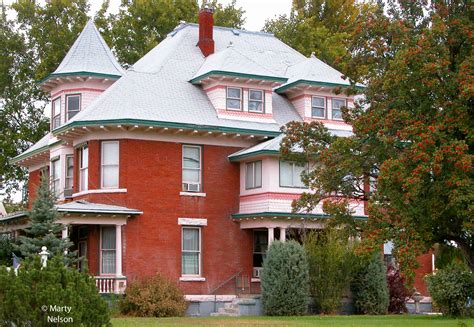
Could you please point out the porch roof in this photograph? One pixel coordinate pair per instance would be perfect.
(242, 216)
(82, 206)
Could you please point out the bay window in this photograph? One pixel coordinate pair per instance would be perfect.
(73, 105)
(107, 250)
(290, 174)
(83, 168)
(234, 98)
(253, 177)
(256, 101)
(56, 177)
(337, 104)
(318, 107)
(191, 173)
(109, 166)
(191, 251)
(69, 172)
(56, 113)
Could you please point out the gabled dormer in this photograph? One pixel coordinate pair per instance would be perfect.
(87, 70)
(310, 88)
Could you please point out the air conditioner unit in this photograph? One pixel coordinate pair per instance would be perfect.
(68, 193)
(257, 271)
(191, 187)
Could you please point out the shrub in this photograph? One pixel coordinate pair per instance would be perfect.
(284, 280)
(30, 298)
(451, 288)
(331, 261)
(153, 297)
(369, 287)
(398, 293)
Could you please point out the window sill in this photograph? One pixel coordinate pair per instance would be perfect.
(192, 279)
(202, 195)
(255, 280)
(105, 190)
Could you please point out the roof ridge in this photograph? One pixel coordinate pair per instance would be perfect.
(106, 48)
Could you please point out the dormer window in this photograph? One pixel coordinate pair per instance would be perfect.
(73, 105)
(56, 113)
(318, 107)
(234, 98)
(337, 104)
(256, 101)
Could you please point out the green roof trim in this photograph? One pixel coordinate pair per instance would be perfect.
(195, 80)
(163, 124)
(285, 87)
(91, 74)
(288, 214)
(253, 154)
(32, 153)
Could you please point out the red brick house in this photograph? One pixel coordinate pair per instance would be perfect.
(172, 166)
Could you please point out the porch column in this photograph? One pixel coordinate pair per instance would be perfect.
(118, 250)
(271, 236)
(282, 234)
(64, 235)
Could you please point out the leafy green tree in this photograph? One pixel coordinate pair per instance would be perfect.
(412, 137)
(285, 280)
(44, 230)
(140, 25)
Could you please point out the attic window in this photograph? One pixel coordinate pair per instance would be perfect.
(73, 103)
(256, 103)
(318, 107)
(337, 104)
(234, 98)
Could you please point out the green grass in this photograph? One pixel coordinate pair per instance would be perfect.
(346, 321)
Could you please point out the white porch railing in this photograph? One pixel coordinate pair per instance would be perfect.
(110, 285)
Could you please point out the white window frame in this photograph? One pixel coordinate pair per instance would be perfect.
(199, 252)
(55, 113)
(332, 107)
(56, 176)
(260, 101)
(227, 97)
(83, 170)
(324, 107)
(101, 273)
(66, 176)
(254, 181)
(102, 165)
(199, 169)
(293, 164)
(67, 104)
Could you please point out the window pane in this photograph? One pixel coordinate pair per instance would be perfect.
(258, 174)
(317, 102)
(191, 157)
(190, 239)
(317, 112)
(298, 170)
(249, 176)
(57, 107)
(338, 103)
(336, 114)
(255, 106)
(108, 237)
(85, 157)
(73, 103)
(233, 104)
(110, 153)
(190, 263)
(108, 262)
(233, 92)
(286, 173)
(110, 176)
(190, 175)
(256, 95)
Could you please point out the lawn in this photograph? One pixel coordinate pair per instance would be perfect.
(346, 321)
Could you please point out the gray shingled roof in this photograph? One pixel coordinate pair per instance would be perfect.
(41, 146)
(89, 54)
(82, 206)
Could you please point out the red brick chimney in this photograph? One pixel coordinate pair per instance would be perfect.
(206, 27)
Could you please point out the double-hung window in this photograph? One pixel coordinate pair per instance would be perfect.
(253, 178)
(107, 250)
(337, 104)
(290, 174)
(109, 166)
(318, 107)
(192, 168)
(69, 172)
(56, 176)
(73, 105)
(56, 113)
(83, 168)
(234, 98)
(260, 246)
(256, 101)
(191, 251)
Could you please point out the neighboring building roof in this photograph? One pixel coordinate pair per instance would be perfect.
(13, 216)
(232, 62)
(82, 206)
(90, 56)
(3, 212)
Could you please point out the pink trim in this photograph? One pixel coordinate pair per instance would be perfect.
(76, 90)
(326, 121)
(215, 87)
(239, 113)
(299, 97)
(269, 196)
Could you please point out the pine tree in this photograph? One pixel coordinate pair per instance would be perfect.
(44, 230)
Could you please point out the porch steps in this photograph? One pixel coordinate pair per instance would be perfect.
(232, 309)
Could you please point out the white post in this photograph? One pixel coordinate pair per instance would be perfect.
(64, 235)
(118, 250)
(271, 235)
(282, 234)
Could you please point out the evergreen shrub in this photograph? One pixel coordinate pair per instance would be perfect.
(153, 297)
(284, 280)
